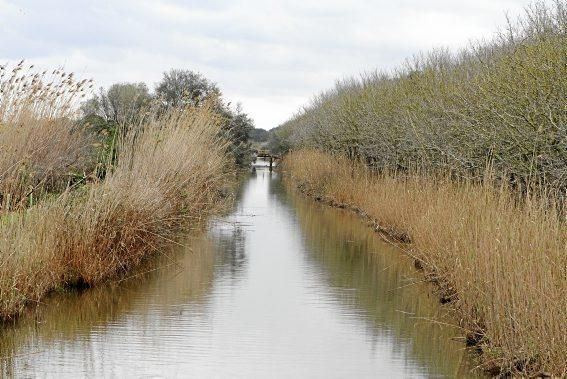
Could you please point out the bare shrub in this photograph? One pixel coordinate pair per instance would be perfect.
(500, 104)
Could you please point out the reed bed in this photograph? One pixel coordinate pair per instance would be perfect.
(499, 260)
(41, 148)
(168, 177)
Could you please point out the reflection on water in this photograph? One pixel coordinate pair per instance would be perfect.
(281, 287)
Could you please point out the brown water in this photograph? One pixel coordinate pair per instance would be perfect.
(282, 287)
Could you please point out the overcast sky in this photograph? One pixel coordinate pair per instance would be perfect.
(271, 56)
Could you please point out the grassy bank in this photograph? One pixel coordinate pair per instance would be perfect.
(166, 176)
(501, 263)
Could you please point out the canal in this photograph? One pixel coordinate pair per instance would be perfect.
(280, 287)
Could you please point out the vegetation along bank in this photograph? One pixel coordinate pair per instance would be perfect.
(464, 156)
(87, 196)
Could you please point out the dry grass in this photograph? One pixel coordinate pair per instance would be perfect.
(167, 178)
(41, 150)
(502, 263)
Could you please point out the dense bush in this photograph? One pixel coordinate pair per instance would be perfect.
(499, 104)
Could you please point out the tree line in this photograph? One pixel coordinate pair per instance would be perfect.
(115, 109)
(499, 106)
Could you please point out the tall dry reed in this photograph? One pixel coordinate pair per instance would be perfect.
(167, 178)
(41, 149)
(500, 262)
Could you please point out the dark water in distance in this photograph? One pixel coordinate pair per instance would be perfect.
(282, 287)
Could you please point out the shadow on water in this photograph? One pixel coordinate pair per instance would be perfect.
(280, 286)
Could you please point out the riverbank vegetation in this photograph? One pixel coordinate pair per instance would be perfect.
(464, 156)
(499, 103)
(501, 264)
(76, 212)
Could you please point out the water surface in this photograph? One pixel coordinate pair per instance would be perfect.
(281, 287)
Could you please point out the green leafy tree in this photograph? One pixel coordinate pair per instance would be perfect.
(259, 135)
(180, 88)
(238, 127)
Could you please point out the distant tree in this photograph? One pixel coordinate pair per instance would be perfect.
(259, 135)
(184, 87)
(111, 113)
(121, 103)
(237, 128)
(278, 142)
(180, 88)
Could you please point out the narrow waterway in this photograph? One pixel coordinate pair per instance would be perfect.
(281, 287)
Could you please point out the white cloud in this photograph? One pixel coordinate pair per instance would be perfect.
(270, 55)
